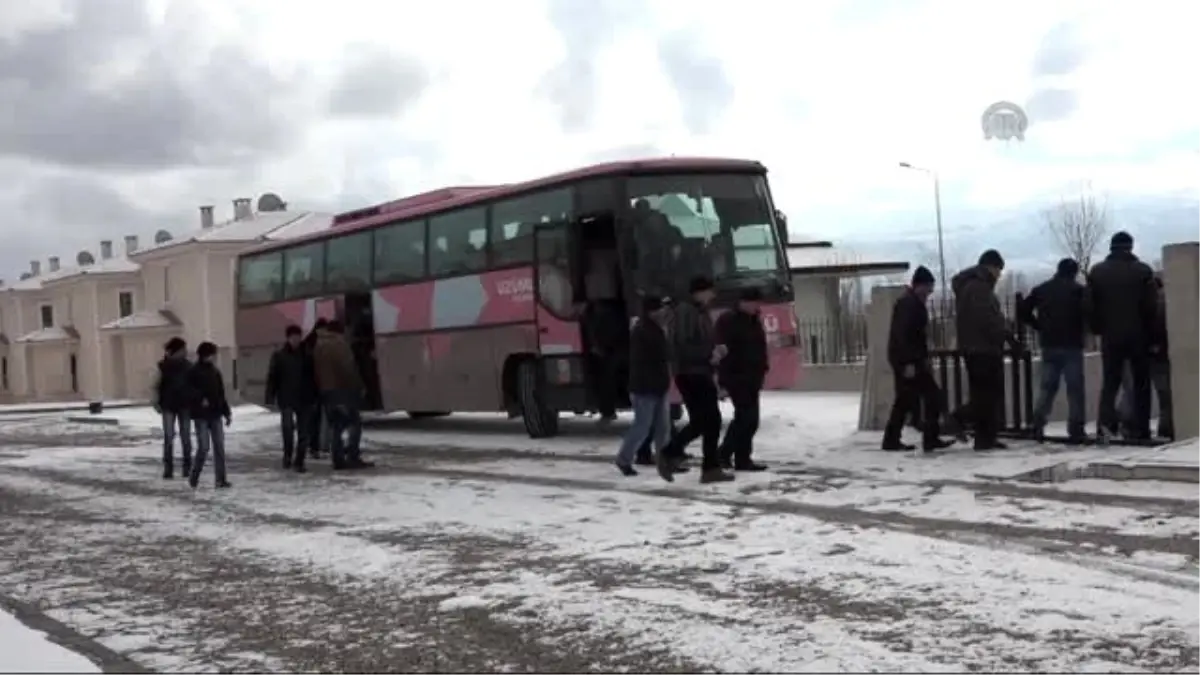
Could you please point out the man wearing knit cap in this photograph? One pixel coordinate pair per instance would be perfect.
(982, 332)
(1124, 299)
(1057, 310)
(908, 355)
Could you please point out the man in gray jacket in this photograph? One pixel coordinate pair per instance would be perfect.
(695, 356)
(982, 332)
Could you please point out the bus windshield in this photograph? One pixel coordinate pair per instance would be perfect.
(716, 225)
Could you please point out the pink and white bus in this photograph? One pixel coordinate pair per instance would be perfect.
(467, 299)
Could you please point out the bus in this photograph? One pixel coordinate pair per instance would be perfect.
(469, 299)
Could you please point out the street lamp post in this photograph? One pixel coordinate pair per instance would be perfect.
(937, 210)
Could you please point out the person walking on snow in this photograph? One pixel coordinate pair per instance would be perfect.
(209, 409)
(982, 333)
(341, 387)
(696, 355)
(742, 372)
(290, 389)
(172, 400)
(908, 356)
(649, 383)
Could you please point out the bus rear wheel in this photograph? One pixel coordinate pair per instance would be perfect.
(541, 420)
(425, 414)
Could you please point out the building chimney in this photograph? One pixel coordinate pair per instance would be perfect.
(106, 249)
(206, 217)
(53, 263)
(241, 209)
(35, 268)
(130, 244)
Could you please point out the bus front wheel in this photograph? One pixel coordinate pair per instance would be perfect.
(541, 420)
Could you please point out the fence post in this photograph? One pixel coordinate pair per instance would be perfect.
(878, 388)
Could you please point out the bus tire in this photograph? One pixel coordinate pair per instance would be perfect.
(425, 414)
(541, 421)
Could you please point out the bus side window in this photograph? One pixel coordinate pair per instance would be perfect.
(303, 270)
(513, 223)
(465, 234)
(399, 253)
(348, 263)
(260, 278)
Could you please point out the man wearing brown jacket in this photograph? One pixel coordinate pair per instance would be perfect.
(341, 389)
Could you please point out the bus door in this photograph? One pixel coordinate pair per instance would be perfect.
(554, 278)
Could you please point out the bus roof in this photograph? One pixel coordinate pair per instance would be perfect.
(444, 199)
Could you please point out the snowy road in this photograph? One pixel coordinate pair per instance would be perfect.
(455, 555)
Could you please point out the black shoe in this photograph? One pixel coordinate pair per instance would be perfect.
(666, 467)
(727, 464)
(750, 467)
(935, 444)
(169, 473)
(644, 460)
(193, 481)
(1039, 433)
(680, 467)
(287, 462)
(897, 447)
(299, 468)
(360, 464)
(341, 466)
(715, 476)
(187, 468)
(223, 485)
(626, 470)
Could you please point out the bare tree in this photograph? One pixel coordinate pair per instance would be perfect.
(1078, 225)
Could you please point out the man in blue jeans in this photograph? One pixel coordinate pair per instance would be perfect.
(649, 384)
(1057, 310)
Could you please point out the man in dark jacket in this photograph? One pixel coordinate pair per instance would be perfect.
(695, 355)
(649, 383)
(172, 399)
(607, 329)
(982, 332)
(291, 389)
(341, 387)
(908, 356)
(1057, 310)
(1160, 374)
(316, 423)
(1124, 301)
(209, 408)
(741, 373)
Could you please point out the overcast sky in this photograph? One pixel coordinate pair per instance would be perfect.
(123, 116)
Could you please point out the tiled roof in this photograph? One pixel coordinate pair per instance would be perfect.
(51, 334)
(144, 319)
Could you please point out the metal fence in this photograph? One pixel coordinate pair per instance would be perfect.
(843, 340)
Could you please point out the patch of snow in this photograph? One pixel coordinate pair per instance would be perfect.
(24, 650)
(246, 418)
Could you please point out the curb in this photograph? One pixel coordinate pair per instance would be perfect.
(63, 635)
(62, 409)
(93, 419)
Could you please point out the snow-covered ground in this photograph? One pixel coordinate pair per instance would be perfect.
(24, 650)
(472, 548)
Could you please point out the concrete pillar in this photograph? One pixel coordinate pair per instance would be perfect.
(878, 388)
(1181, 277)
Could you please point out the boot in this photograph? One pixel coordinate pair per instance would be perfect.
(169, 472)
(715, 476)
(896, 446)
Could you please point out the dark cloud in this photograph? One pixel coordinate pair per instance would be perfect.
(61, 214)
(587, 28)
(376, 83)
(1050, 104)
(108, 89)
(700, 81)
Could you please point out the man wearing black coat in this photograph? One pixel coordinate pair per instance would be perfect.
(982, 332)
(1057, 310)
(649, 385)
(315, 423)
(908, 356)
(741, 373)
(695, 356)
(172, 400)
(292, 389)
(209, 408)
(1124, 301)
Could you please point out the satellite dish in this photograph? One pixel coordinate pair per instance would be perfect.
(162, 237)
(84, 259)
(271, 202)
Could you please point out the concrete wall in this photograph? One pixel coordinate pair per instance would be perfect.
(1181, 277)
